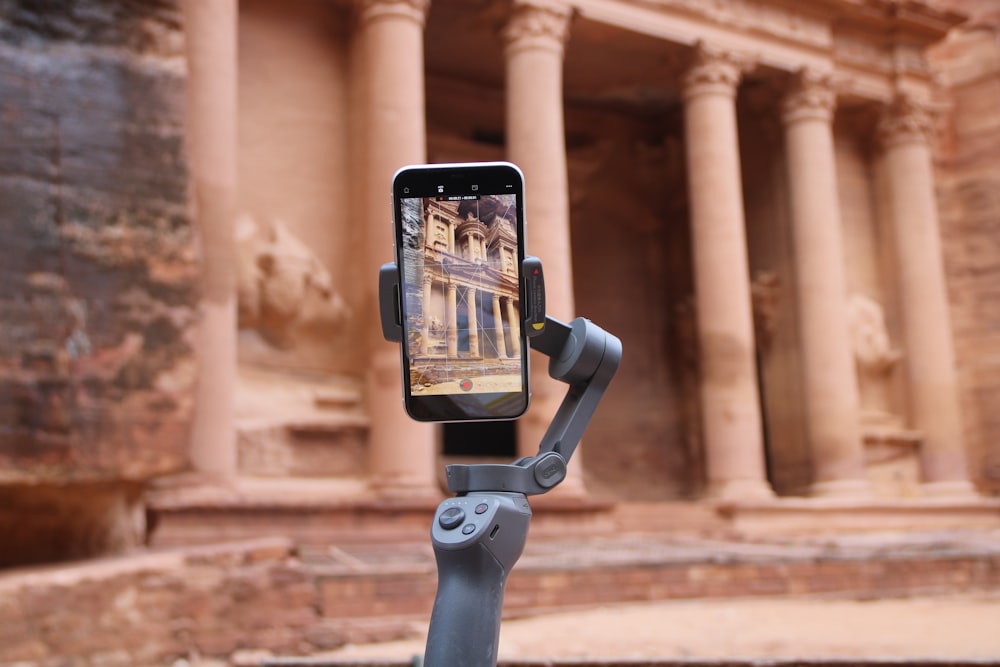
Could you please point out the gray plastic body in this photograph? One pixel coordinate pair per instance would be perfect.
(477, 539)
(582, 355)
(479, 535)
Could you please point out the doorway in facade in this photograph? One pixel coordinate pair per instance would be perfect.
(495, 439)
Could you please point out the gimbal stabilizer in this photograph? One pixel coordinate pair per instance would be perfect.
(479, 534)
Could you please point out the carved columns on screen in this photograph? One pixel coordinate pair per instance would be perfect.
(831, 390)
(471, 296)
(730, 401)
(904, 130)
(402, 452)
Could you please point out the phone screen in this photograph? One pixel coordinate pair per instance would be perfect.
(459, 247)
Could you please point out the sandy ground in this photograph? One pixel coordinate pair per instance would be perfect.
(966, 626)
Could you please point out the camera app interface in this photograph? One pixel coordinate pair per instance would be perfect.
(462, 307)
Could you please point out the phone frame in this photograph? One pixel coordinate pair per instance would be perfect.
(440, 186)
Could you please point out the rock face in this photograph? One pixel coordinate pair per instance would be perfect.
(968, 65)
(98, 271)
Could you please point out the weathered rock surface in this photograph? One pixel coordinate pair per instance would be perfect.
(98, 269)
(968, 64)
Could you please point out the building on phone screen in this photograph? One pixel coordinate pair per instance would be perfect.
(463, 301)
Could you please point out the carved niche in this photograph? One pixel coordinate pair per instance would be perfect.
(874, 355)
(285, 292)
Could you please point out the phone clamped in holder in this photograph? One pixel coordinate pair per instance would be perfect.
(534, 294)
(479, 534)
(390, 302)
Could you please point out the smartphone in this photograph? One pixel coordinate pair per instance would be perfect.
(459, 243)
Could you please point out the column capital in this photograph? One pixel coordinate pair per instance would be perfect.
(905, 121)
(810, 96)
(713, 71)
(369, 11)
(537, 24)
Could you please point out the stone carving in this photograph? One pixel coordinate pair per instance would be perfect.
(285, 292)
(874, 355)
(713, 70)
(370, 10)
(781, 22)
(810, 95)
(869, 335)
(905, 120)
(765, 295)
(541, 22)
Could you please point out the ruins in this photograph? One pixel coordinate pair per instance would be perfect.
(786, 211)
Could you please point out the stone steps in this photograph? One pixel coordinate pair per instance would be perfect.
(253, 660)
(368, 581)
(293, 597)
(291, 425)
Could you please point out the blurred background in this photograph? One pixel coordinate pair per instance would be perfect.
(788, 212)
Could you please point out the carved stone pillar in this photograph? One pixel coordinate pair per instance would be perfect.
(451, 319)
(515, 328)
(730, 402)
(928, 354)
(831, 390)
(210, 31)
(470, 298)
(535, 36)
(498, 328)
(425, 329)
(391, 31)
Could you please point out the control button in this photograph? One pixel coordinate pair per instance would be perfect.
(481, 507)
(468, 529)
(451, 518)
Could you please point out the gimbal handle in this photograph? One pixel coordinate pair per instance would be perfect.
(479, 535)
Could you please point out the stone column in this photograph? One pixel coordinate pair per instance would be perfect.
(932, 384)
(730, 402)
(425, 329)
(470, 298)
(831, 388)
(391, 31)
(535, 35)
(451, 320)
(210, 38)
(498, 328)
(515, 328)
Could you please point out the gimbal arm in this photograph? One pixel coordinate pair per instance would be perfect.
(584, 356)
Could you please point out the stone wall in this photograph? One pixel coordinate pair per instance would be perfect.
(98, 268)
(968, 64)
(158, 608)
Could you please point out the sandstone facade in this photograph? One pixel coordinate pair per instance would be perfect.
(785, 214)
